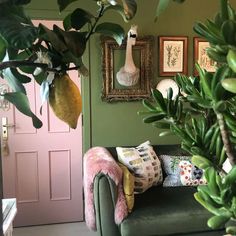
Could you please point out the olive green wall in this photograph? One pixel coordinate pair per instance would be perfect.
(112, 124)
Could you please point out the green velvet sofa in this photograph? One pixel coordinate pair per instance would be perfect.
(158, 211)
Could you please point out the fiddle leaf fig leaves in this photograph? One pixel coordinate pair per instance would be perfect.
(112, 30)
(21, 102)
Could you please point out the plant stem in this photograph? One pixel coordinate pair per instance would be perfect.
(95, 23)
(44, 66)
(225, 139)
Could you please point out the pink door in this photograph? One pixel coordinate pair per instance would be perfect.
(44, 167)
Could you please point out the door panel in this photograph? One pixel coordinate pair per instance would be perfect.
(44, 167)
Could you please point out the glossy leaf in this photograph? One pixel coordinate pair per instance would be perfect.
(79, 18)
(229, 84)
(74, 41)
(17, 35)
(117, 8)
(113, 30)
(50, 36)
(64, 3)
(130, 8)
(21, 102)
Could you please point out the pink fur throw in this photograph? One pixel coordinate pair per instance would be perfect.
(99, 160)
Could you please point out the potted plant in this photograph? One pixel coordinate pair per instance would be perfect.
(29, 52)
(203, 115)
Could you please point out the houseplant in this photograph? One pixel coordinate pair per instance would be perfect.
(29, 52)
(203, 116)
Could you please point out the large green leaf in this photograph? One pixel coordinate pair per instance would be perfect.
(119, 9)
(77, 19)
(112, 30)
(64, 3)
(14, 12)
(162, 5)
(130, 8)
(74, 41)
(17, 35)
(21, 102)
(50, 36)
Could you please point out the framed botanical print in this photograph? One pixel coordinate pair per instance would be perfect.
(173, 55)
(201, 57)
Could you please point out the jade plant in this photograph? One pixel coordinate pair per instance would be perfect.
(203, 116)
(29, 52)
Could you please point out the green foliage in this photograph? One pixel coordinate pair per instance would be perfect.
(27, 50)
(203, 116)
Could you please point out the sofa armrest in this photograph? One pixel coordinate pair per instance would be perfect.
(105, 195)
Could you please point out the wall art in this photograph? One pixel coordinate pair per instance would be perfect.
(173, 55)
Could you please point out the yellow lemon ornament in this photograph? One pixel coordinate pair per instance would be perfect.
(65, 99)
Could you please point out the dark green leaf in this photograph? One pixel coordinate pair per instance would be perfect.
(18, 35)
(24, 56)
(130, 8)
(119, 9)
(67, 22)
(75, 41)
(113, 30)
(20, 77)
(2, 48)
(40, 78)
(21, 102)
(50, 36)
(79, 18)
(161, 125)
(64, 3)
(162, 5)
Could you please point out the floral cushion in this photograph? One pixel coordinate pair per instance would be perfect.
(180, 171)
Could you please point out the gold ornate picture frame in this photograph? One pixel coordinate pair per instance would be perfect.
(113, 58)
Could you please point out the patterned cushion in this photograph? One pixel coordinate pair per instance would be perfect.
(180, 171)
(190, 175)
(143, 163)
